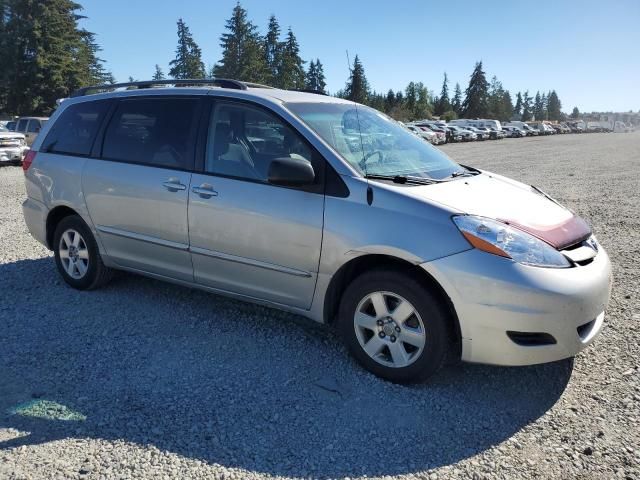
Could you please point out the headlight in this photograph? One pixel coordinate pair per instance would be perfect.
(499, 239)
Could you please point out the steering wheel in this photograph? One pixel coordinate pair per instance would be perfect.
(363, 162)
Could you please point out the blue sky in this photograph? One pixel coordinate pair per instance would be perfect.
(588, 51)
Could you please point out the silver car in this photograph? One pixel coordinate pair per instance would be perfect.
(321, 207)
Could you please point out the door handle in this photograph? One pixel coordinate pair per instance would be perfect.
(205, 191)
(174, 185)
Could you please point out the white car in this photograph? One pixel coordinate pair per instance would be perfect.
(424, 133)
(13, 146)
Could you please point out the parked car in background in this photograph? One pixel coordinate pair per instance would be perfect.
(497, 134)
(13, 146)
(441, 132)
(423, 133)
(466, 135)
(524, 127)
(256, 193)
(11, 126)
(30, 127)
(481, 133)
(513, 132)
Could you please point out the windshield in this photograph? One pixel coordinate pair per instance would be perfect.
(373, 143)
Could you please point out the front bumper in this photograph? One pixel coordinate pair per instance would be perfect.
(493, 296)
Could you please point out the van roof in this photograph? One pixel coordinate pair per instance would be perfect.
(205, 87)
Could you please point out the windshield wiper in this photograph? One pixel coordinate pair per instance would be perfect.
(467, 172)
(402, 179)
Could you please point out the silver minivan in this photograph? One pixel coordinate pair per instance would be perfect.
(321, 207)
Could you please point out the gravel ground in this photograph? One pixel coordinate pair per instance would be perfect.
(147, 380)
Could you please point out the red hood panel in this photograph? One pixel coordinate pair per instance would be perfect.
(562, 235)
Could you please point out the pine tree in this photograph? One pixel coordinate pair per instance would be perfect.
(291, 73)
(443, 104)
(315, 77)
(507, 107)
(423, 107)
(188, 62)
(495, 100)
(321, 81)
(476, 96)
(517, 110)
(271, 50)
(526, 107)
(389, 101)
(159, 74)
(411, 98)
(44, 55)
(575, 113)
(243, 56)
(456, 103)
(357, 88)
(538, 107)
(554, 106)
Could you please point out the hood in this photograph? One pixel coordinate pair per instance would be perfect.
(514, 203)
(12, 135)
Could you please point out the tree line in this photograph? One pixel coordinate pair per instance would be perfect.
(47, 55)
(44, 55)
(481, 99)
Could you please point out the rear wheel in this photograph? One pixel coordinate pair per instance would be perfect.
(393, 326)
(77, 255)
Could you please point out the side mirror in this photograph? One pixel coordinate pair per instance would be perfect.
(291, 172)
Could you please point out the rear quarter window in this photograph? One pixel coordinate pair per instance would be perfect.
(74, 132)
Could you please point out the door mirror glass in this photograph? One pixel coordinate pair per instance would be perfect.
(291, 172)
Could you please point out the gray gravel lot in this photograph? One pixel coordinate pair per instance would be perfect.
(148, 380)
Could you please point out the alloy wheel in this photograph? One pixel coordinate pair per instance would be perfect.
(74, 254)
(389, 329)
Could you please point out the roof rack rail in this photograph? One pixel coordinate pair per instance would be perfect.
(308, 90)
(258, 85)
(217, 82)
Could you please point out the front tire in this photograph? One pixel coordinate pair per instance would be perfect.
(393, 326)
(77, 256)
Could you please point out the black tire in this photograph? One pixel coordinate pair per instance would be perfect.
(433, 314)
(97, 274)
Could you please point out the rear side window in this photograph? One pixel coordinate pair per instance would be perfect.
(156, 132)
(22, 126)
(34, 126)
(74, 131)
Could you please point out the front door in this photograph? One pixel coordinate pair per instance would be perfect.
(247, 236)
(137, 193)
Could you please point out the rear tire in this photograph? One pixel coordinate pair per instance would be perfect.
(77, 256)
(394, 326)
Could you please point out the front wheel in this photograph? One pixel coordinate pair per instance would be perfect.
(393, 326)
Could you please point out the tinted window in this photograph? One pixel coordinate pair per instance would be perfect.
(34, 126)
(74, 131)
(244, 140)
(156, 132)
(22, 126)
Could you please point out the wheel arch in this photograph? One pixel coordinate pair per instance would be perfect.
(53, 219)
(357, 266)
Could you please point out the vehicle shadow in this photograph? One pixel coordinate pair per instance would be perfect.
(234, 384)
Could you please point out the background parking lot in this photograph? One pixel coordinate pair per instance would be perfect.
(146, 379)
